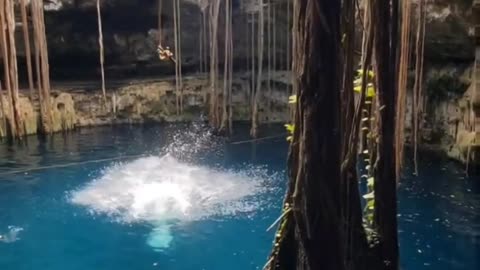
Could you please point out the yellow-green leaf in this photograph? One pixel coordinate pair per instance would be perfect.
(290, 128)
(370, 73)
(369, 196)
(370, 182)
(370, 90)
(292, 99)
(371, 204)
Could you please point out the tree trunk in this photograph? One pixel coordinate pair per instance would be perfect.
(355, 241)
(42, 66)
(214, 117)
(417, 88)
(28, 53)
(13, 68)
(230, 80)
(256, 98)
(384, 17)
(311, 235)
(226, 67)
(6, 67)
(3, 123)
(402, 84)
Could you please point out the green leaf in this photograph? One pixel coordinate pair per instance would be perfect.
(292, 99)
(369, 196)
(289, 138)
(290, 128)
(370, 182)
(370, 91)
(370, 73)
(371, 204)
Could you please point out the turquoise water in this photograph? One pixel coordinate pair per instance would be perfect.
(217, 199)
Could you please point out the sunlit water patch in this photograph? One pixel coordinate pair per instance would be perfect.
(164, 191)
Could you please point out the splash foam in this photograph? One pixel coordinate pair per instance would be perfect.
(164, 190)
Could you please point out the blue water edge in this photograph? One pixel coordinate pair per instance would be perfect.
(175, 197)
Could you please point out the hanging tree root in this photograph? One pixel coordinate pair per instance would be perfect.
(279, 236)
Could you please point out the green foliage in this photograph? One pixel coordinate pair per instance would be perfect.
(370, 183)
(291, 127)
(358, 83)
(292, 99)
(369, 196)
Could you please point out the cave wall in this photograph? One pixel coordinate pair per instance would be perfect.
(130, 37)
(144, 101)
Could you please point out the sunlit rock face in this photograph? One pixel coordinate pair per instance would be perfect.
(144, 101)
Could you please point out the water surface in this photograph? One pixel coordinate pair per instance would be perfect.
(218, 198)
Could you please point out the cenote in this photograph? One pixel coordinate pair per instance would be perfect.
(181, 198)
(239, 135)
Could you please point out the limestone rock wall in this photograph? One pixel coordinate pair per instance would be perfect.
(144, 101)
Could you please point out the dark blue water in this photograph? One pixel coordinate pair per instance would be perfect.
(439, 220)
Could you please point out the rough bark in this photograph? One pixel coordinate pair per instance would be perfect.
(256, 96)
(417, 88)
(214, 113)
(12, 132)
(355, 241)
(224, 127)
(8, 22)
(384, 17)
(42, 66)
(311, 235)
(28, 53)
(402, 84)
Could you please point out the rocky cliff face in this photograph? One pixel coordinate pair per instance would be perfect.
(450, 52)
(142, 101)
(130, 39)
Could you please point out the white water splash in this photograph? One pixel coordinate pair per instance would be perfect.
(12, 235)
(163, 191)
